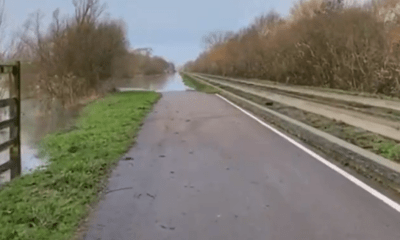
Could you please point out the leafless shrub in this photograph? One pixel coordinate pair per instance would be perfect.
(267, 24)
(4, 52)
(76, 54)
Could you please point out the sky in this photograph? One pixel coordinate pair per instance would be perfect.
(172, 28)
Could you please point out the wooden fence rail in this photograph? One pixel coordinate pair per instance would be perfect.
(14, 121)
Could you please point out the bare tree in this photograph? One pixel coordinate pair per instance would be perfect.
(88, 11)
(334, 5)
(215, 38)
(267, 23)
(3, 51)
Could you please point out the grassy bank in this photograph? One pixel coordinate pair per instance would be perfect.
(49, 204)
(198, 86)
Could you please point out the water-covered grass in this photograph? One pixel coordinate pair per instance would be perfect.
(198, 86)
(50, 203)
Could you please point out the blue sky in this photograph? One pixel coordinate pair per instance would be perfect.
(173, 28)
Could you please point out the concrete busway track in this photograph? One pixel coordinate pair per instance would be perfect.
(393, 104)
(383, 126)
(365, 162)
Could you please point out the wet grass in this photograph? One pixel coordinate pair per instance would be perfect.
(198, 86)
(50, 203)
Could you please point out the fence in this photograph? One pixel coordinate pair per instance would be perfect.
(13, 144)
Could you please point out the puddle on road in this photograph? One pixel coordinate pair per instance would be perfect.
(35, 124)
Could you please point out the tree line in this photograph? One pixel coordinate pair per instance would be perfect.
(324, 43)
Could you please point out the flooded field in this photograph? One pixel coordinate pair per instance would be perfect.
(36, 122)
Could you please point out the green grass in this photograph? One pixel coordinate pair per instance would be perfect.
(198, 86)
(50, 203)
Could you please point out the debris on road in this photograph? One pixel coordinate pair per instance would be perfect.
(153, 197)
(138, 196)
(165, 227)
(120, 189)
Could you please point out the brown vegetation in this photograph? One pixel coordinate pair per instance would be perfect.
(77, 55)
(322, 43)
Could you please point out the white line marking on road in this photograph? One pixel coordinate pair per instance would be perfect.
(350, 177)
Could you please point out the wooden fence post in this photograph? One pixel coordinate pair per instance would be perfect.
(15, 130)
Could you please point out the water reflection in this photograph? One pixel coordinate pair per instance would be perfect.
(37, 120)
(170, 82)
(36, 123)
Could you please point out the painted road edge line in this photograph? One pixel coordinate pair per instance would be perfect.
(345, 174)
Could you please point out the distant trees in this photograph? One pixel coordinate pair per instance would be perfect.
(154, 65)
(141, 64)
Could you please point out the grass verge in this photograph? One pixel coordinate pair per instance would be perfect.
(50, 203)
(198, 86)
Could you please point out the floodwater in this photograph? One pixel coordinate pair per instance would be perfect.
(162, 83)
(36, 123)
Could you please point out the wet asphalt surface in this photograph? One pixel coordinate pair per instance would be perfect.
(201, 169)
